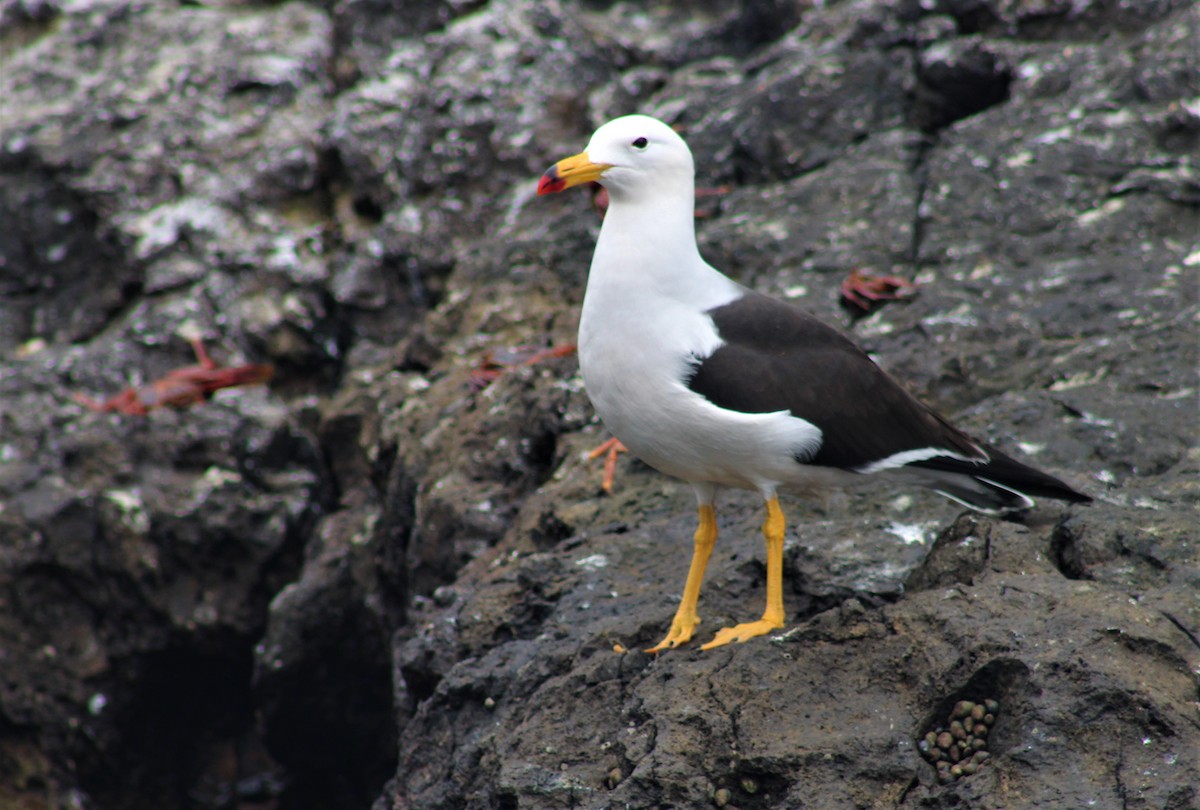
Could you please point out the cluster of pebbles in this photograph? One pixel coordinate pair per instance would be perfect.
(961, 749)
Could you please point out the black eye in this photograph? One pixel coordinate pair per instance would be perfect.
(641, 143)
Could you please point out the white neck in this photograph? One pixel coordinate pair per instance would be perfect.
(648, 243)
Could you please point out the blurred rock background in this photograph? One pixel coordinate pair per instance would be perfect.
(389, 581)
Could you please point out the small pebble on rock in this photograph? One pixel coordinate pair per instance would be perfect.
(959, 748)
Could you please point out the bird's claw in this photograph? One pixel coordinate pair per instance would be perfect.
(742, 632)
(680, 633)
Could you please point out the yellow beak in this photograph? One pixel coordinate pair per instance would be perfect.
(571, 172)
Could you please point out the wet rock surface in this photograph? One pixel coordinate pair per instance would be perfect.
(390, 581)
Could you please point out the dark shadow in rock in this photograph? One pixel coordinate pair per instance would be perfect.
(550, 531)
(391, 537)
(323, 684)
(806, 605)
(63, 278)
(173, 711)
(756, 787)
(955, 81)
(1068, 551)
(958, 555)
(1178, 131)
(1110, 545)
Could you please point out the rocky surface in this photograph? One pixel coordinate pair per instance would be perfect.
(390, 580)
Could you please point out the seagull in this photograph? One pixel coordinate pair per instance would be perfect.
(720, 386)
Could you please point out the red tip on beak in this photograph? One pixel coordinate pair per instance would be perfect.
(551, 183)
(570, 172)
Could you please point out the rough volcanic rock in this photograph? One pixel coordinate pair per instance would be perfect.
(139, 557)
(392, 579)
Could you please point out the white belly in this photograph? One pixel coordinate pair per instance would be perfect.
(635, 372)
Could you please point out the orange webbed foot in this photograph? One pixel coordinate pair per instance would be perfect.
(742, 632)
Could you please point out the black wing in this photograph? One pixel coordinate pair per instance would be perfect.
(776, 357)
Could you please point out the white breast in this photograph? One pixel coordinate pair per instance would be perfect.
(634, 353)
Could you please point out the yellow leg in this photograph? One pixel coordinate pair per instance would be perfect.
(773, 531)
(685, 621)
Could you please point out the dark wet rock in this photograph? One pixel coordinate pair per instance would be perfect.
(139, 558)
(958, 555)
(798, 110)
(323, 673)
(680, 726)
(677, 36)
(56, 257)
(366, 31)
(390, 579)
